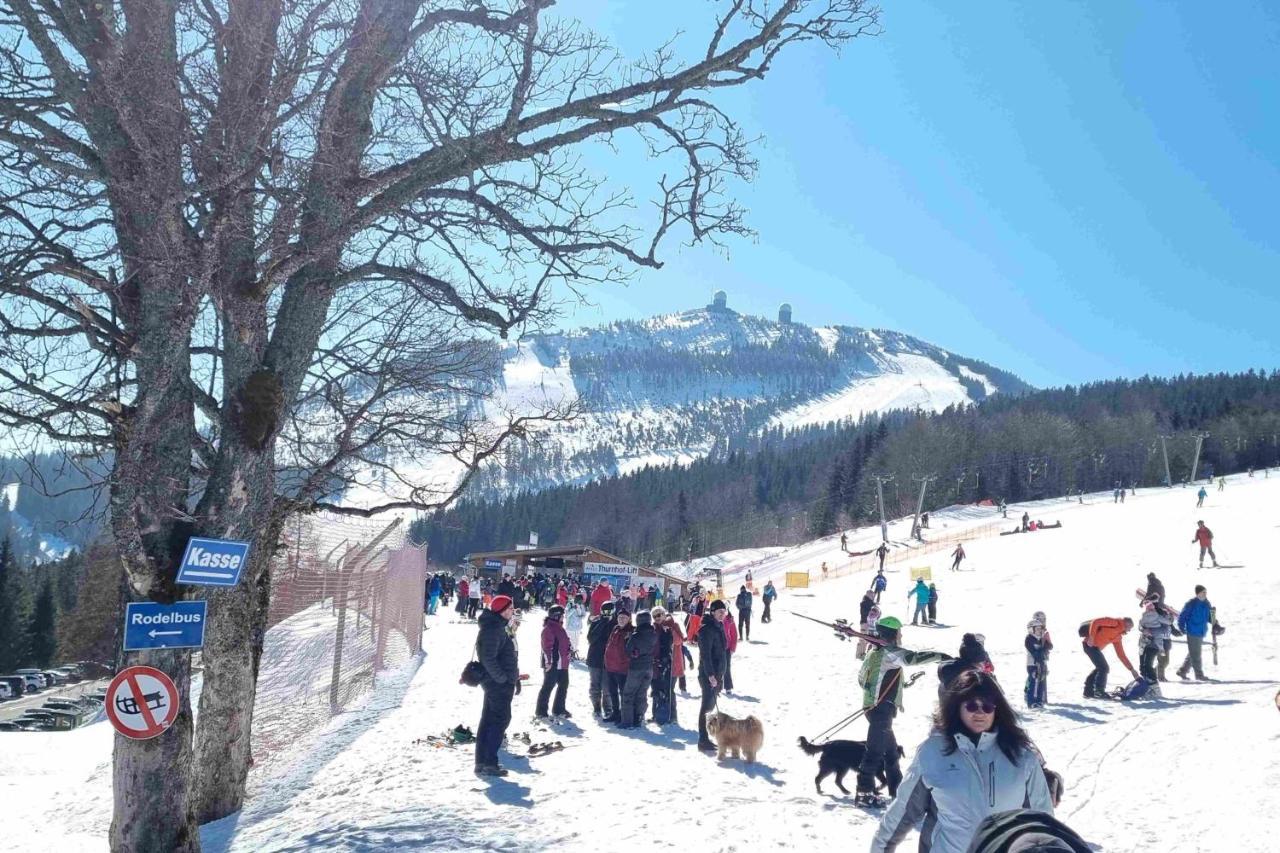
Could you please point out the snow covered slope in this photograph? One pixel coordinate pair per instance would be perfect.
(1196, 771)
(678, 387)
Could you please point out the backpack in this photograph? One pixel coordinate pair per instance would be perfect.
(1137, 689)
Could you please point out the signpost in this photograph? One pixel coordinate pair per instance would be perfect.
(141, 702)
(148, 625)
(213, 562)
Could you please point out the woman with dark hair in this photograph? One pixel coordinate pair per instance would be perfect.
(977, 761)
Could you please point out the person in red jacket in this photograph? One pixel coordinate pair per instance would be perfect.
(602, 593)
(562, 595)
(730, 645)
(1205, 537)
(464, 592)
(1097, 635)
(617, 662)
(556, 654)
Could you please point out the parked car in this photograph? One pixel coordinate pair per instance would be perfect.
(11, 726)
(17, 684)
(51, 719)
(70, 673)
(92, 669)
(34, 682)
(39, 678)
(53, 677)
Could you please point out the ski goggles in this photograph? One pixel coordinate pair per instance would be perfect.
(979, 706)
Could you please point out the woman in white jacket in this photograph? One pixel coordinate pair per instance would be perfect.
(574, 617)
(976, 762)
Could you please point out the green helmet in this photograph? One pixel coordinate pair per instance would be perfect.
(893, 623)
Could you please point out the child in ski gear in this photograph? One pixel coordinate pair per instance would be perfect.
(1205, 537)
(881, 680)
(1155, 629)
(949, 795)
(869, 615)
(557, 651)
(921, 592)
(1098, 634)
(1038, 646)
(933, 604)
(744, 613)
(958, 553)
(767, 597)
(1194, 620)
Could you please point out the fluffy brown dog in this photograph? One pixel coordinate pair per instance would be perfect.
(730, 735)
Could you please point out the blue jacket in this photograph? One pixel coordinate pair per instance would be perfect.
(1195, 617)
(879, 583)
(921, 592)
(434, 588)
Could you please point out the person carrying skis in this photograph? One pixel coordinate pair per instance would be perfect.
(878, 584)
(933, 604)
(881, 680)
(744, 613)
(1204, 536)
(959, 555)
(1194, 620)
(1038, 646)
(1096, 635)
(882, 552)
(767, 597)
(921, 592)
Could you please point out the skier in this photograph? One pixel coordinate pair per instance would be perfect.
(958, 553)
(1038, 645)
(878, 584)
(557, 651)
(949, 795)
(1200, 496)
(1155, 628)
(1222, 484)
(1205, 537)
(882, 552)
(712, 659)
(496, 652)
(1096, 635)
(1004, 509)
(921, 592)
(1154, 586)
(824, 569)
(1117, 493)
(844, 542)
(599, 627)
(769, 595)
(881, 680)
(574, 616)
(1194, 620)
(933, 604)
(1026, 519)
(616, 662)
(744, 613)
(641, 647)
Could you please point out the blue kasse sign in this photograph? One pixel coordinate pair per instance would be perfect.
(213, 562)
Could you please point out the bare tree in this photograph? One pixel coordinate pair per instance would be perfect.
(250, 248)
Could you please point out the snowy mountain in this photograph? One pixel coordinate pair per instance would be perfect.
(681, 386)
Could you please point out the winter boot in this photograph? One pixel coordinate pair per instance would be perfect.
(595, 709)
(1182, 673)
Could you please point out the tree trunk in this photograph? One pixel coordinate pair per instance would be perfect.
(153, 809)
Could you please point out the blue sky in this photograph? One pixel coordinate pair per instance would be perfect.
(1069, 191)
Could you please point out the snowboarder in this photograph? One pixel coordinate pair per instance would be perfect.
(933, 604)
(712, 659)
(1205, 537)
(641, 648)
(878, 584)
(881, 680)
(882, 552)
(949, 795)
(599, 627)
(744, 613)
(1095, 636)
(769, 595)
(958, 553)
(496, 652)
(1194, 620)
(1200, 496)
(1038, 646)
(557, 651)
(921, 592)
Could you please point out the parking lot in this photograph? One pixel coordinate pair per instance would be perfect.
(13, 708)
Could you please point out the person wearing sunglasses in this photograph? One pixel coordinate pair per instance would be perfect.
(976, 762)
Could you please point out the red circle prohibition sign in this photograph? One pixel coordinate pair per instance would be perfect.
(141, 702)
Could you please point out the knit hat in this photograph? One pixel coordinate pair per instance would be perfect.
(1199, 589)
(643, 617)
(718, 604)
(500, 603)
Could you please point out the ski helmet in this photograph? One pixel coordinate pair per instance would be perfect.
(555, 611)
(893, 623)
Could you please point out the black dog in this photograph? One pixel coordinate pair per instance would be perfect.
(841, 757)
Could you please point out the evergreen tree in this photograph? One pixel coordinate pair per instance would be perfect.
(11, 645)
(43, 639)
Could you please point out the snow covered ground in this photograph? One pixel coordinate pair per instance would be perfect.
(1196, 771)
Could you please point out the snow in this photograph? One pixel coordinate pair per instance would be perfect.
(987, 385)
(1194, 771)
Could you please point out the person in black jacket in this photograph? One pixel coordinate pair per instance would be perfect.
(598, 630)
(973, 655)
(641, 646)
(507, 588)
(744, 614)
(497, 654)
(713, 656)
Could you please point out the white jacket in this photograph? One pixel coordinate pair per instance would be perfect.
(954, 793)
(573, 620)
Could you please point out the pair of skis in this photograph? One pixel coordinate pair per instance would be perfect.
(844, 631)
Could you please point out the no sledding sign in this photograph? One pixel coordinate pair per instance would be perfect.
(141, 702)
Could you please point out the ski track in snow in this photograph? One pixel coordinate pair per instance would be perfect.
(1196, 771)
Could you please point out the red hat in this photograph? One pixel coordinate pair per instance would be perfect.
(500, 603)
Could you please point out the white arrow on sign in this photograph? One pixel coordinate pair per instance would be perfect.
(153, 633)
